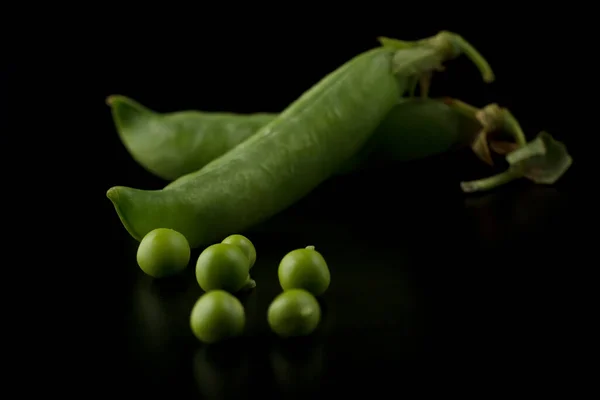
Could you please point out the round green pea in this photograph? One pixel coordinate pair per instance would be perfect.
(304, 269)
(217, 316)
(163, 252)
(294, 312)
(222, 266)
(243, 243)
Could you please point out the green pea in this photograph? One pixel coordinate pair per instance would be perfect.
(294, 312)
(304, 269)
(217, 316)
(222, 266)
(163, 252)
(243, 243)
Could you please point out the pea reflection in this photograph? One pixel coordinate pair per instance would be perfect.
(248, 298)
(223, 370)
(326, 324)
(297, 364)
(160, 311)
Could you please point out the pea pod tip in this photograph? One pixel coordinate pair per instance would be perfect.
(110, 100)
(113, 194)
(114, 98)
(468, 187)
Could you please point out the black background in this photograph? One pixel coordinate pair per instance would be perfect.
(432, 290)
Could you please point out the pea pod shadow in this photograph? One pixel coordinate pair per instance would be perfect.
(298, 364)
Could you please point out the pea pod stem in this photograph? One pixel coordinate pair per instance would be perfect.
(485, 184)
(476, 58)
(452, 45)
(544, 160)
(462, 107)
(514, 127)
(504, 119)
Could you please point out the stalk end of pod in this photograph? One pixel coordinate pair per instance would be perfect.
(458, 46)
(544, 160)
(451, 45)
(462, 107)
(111, 99)
(492, 118)
(489, 183)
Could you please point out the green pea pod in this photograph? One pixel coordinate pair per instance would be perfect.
(171, 145)
(414, 129)
(290, 156)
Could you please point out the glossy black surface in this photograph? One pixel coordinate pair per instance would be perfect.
(427, 284)
(432, 290)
